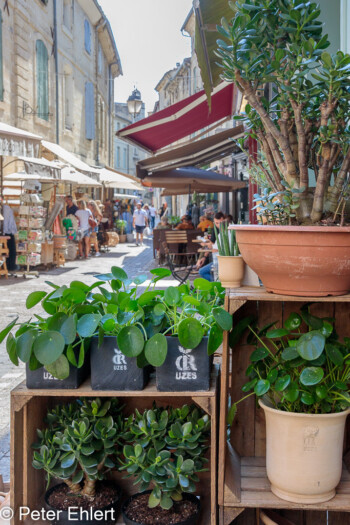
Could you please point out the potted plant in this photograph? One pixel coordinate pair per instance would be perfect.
(79, 447)
(121, 228)
(174, 220)
(231, 264)
(303, 133)
(165, 450)
(302, 382)
(194, 324)
(176, 330)
(55, 348)
(127, 324)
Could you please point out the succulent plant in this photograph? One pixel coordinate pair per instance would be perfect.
(166, 449)
(80, 444)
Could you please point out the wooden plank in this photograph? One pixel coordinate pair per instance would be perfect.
(233, 472)
(342, 316)
(269, 517)
(85, 390)
(258, 293)
(229, 515)
(338, 518)
(16, 467)
(213, 461)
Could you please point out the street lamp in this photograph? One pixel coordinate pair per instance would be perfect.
(134, 103)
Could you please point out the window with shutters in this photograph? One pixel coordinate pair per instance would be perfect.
(87, 36)
(89, 111)
(101, 122)
(117, 157)
(68, 90)
(1, 65)
(125, 162)
(42, 80)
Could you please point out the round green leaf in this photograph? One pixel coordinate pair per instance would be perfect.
(130, 341)
(7, 329)
(321, 391)
(311, 375)
(79, 285)
(291, 393)
(161, 272)
(109, 325)
(69, 329)
(190, 333)
(87, 324)
(250, 385)
(48, 347)
(49, 306)
(11, 349)
(202, 284)
(307, 398)
(272, 375)
(59, 368)
(282, 383)
(24, 345)
(172, 296)
(310, 346)
(159, 309)
(119, 273)
(293, 322)
(156, 350)
(223, 318)
(56, 321)
(262, 386)
(34, 298)
(215, 338)
(140, 279)
(74, 295)
(258, 354)
(327, 329)
(191, 300)
(147, 297)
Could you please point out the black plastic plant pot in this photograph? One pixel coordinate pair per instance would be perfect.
(41, 379)
(105, 515)
(112, 370)
(192, 520)
(184, 370)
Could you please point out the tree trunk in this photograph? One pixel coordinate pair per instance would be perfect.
(74, 488)
(318, 205)
(336, 190)
(89, 489)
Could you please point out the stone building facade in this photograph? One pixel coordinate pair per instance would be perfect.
(59, 60)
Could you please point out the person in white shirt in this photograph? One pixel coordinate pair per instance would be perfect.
(84, 215)
(140, 221)
(152, 213)
(9, 229)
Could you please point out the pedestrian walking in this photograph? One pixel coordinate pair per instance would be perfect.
(9, 229)
(97, 216)
(152, 212)
(140, 221)
(84, 215)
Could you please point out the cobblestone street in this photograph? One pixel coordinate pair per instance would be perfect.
(13, 292)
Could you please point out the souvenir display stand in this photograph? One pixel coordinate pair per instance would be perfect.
(243, 486)
(28, 409)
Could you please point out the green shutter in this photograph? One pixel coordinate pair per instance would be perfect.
(1, 64)
(42, 80)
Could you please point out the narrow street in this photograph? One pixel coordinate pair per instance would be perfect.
(13, 292)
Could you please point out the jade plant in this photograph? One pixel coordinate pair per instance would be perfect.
(226, 241)
(302, 125)
(57, 338)
(297, 371)
(80, 444)
(165, 449)
(141, 322)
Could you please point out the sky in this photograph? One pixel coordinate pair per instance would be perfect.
(149, 41)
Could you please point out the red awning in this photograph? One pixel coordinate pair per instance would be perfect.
(181, 119)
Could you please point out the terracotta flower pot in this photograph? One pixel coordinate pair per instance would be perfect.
(231, 271)
(304, 454)
(298, 260)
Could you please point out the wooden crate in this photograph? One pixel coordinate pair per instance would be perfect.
(242, 480)
(28, 409)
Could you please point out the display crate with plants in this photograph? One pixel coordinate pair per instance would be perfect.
(30, 408)
(303, 132)
(295, 355)
(231, 264)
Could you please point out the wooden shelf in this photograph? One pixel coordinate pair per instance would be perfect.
(255, 490)
(86, 391)
(29, 408)
(258, 293)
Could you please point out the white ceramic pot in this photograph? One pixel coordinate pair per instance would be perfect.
(304, 454)
(231, 270)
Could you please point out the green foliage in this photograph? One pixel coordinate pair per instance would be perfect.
(54, 341)
(121, 226)
(304, 125)
(174, 220)
(80, 443)
(226, 241)
(165, 448)
(298, 372)
(277, 207)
